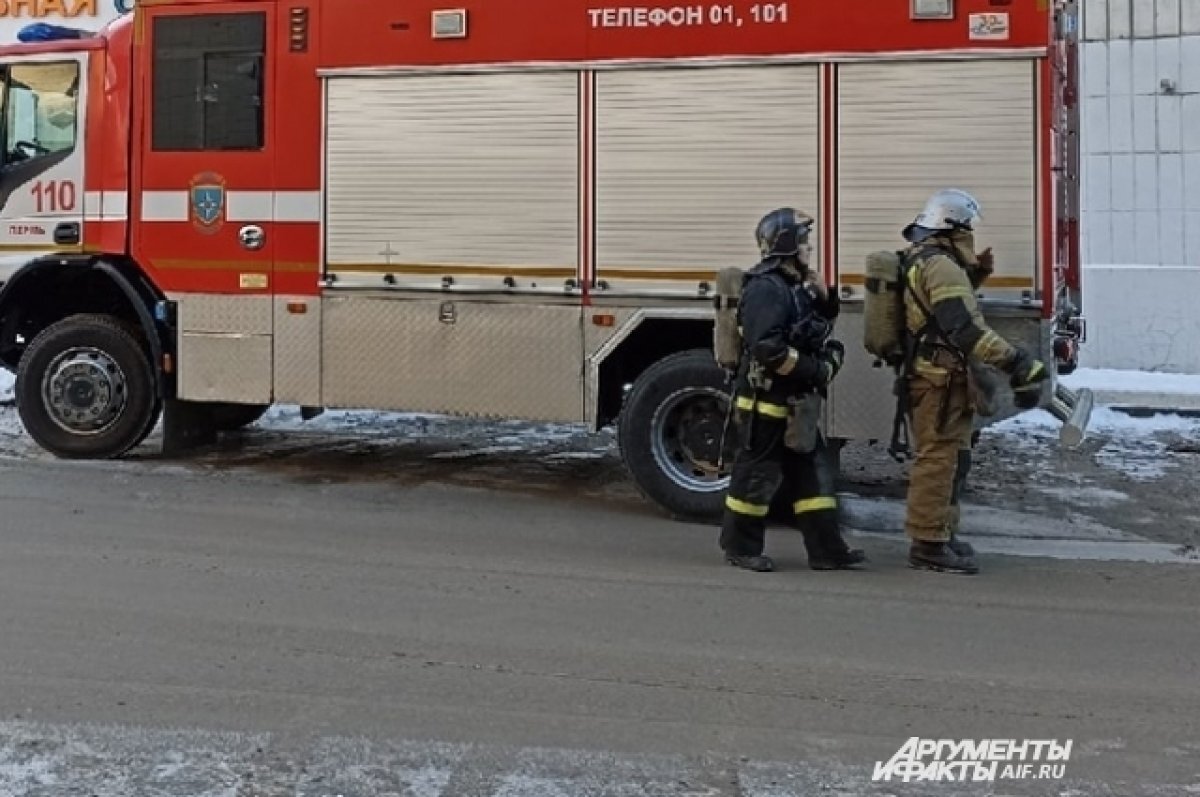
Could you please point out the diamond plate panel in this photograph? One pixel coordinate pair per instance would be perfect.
(485, 360)
(297, 351)
(596, 337)
(225, 368)
(219, 313)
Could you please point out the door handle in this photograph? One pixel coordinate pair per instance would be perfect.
(66, 233)
(252, 237)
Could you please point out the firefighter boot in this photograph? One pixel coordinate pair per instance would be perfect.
(960, 547)
(759, 564)
(826, 548)
(939, 557)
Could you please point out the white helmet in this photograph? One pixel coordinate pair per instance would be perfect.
(948, 209)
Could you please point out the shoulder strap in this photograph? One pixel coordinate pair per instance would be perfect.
(931, 324)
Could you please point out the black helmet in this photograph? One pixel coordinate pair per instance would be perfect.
(782, 232)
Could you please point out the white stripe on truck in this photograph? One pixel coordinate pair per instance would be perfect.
(106, 206)
(240, 206)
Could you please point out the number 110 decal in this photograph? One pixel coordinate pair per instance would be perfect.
(55, 196)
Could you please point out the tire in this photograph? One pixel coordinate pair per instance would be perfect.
(670, 431)
(85, 388)
(231, 417)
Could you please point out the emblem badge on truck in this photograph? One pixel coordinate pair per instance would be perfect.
(208, 202)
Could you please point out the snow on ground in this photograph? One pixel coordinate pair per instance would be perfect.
(1108, 379)
(501, 435)
(6, 385)
(1135, 446)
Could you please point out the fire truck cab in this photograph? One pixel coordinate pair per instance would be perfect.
(503, 208)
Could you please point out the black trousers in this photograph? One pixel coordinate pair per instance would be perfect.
(762, 468)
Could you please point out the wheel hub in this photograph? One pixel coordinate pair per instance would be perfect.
(687, 433)
(84, 391)
(702, 436)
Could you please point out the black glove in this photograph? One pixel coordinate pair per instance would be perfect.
(833, 355)
(1026, 371)
(1027, 399)
(1027, 375)
(831, 305)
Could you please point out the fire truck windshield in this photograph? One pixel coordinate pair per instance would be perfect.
(41, 114)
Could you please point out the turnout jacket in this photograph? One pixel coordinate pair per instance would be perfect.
(780, 323)
(945, 288)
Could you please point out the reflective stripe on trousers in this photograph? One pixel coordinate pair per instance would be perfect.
(766, 408)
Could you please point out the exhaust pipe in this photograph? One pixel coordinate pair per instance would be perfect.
(1074, 409)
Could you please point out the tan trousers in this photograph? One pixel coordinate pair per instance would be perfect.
(933, 515)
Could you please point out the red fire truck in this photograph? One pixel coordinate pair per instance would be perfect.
(503, 208)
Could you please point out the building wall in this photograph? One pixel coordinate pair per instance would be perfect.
(1140, 69)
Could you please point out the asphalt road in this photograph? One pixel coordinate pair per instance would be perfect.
(169, 632)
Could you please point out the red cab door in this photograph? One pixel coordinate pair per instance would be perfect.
(203, 198)
(204, 207)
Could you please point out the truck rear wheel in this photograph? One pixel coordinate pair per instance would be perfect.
(670, 434)
(85, 388)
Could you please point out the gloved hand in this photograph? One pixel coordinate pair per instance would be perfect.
(830, 305)
(985, 266)
(833, 355)
(1027, 375)
(987, 261)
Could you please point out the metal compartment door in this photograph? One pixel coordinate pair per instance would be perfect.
(909, 129)
(688, 160)
(470, 178)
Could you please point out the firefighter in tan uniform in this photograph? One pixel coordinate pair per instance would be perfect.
(787, 360)
(949, 335)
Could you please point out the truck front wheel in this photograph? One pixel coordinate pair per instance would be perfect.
(670, 434)
(85, 388)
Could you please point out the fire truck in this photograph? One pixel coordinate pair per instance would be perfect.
(504, 208)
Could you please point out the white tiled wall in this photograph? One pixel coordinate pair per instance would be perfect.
(1140, 70)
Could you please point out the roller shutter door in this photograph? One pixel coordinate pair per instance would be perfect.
(466, 171)
(688, 160)
(909, 129)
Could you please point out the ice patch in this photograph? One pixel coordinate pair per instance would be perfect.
(27, 773)
(1104, 420)
(1144, 463)
(509, 434)
(476, 452)
(1085, 496)
(526, 786)
(887, 516)
(1136, 447)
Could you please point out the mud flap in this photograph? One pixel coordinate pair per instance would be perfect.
(186, 425)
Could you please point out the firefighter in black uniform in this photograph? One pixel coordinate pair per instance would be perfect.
(787, 361)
